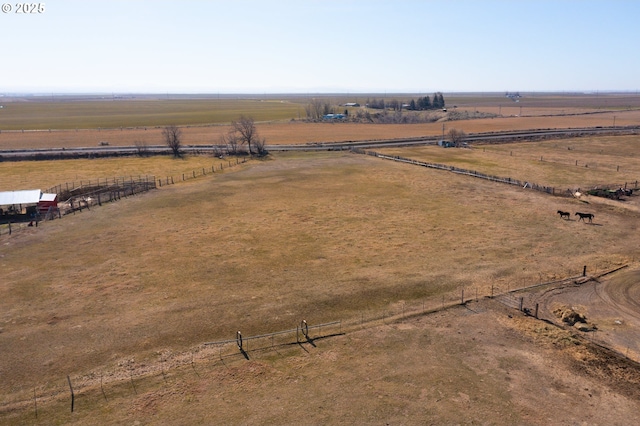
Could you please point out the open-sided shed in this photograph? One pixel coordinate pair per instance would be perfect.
(13, 202)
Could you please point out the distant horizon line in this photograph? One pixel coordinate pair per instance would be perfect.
(303, 94)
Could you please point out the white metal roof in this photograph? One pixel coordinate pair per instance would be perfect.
(9, 198)
(48, 197)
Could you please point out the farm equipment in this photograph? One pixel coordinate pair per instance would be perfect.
(613, 194)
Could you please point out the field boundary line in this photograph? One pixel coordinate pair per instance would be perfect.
(507, 180)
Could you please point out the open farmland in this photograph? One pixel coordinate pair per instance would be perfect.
(317, 236)
(122, 297)
(49, 173)
(204, 121)
(63, 113)
(565, 163)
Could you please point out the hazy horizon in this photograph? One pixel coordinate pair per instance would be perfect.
(377, 46)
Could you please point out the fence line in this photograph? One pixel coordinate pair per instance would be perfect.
(169, 180)
(86, 386)
(523, 184)
(77, 196)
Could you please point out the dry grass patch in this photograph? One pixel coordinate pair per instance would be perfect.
(601, 160)
(46, 174)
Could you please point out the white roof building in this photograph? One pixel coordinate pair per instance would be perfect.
(13, 198)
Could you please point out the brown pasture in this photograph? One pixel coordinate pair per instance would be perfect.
(325, 236)
(574, 163)
(301, 132)
(125, 294)
(540, 114)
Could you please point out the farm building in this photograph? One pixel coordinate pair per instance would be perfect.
(47, 203)
(334, 117)
(26, 202)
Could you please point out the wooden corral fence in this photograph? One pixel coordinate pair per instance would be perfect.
(85, 194)
(523, 184)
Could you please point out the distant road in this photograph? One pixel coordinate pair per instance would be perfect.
(493, 137)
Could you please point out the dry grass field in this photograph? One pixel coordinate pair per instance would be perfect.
(49, 173)
(123, 123)
(62, 113)
(122, 297)
(565, 163)
(300, 132)
(315, 236)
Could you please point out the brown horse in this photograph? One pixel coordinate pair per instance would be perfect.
(564, 214)
(589, 216)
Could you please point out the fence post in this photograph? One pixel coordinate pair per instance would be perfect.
(521, 303)
(72, 395)
(462, 302)
(584, 271)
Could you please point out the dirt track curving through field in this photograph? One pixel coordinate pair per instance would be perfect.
(611, 303)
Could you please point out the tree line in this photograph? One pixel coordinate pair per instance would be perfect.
(243, 132)
(421, 104)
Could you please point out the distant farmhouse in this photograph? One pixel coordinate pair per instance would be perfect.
(334, 117)
(513, 96)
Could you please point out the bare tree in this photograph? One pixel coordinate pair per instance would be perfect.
(173, 138)
(141, 148)
(457, 136)
(314, 109)
(261, 146)
(245, 129)
(230, 141)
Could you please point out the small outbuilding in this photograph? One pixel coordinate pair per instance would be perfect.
(48, 203)
(27, 202)
(334, 117)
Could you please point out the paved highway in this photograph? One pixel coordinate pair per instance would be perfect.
(493, 137)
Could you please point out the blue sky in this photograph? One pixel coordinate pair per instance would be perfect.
(309, 46)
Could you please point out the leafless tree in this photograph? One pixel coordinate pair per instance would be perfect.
(261, 146)
(314, 109)
(246, 132)
(141, 148)
(173, 138)
(230, 141)
(457, 136)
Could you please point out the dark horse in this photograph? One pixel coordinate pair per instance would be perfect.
(589, 216)
(564, 214)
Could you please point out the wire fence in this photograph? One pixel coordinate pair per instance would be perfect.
(77, 196)
(204, 171)
(510, 181)
(98, 385)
